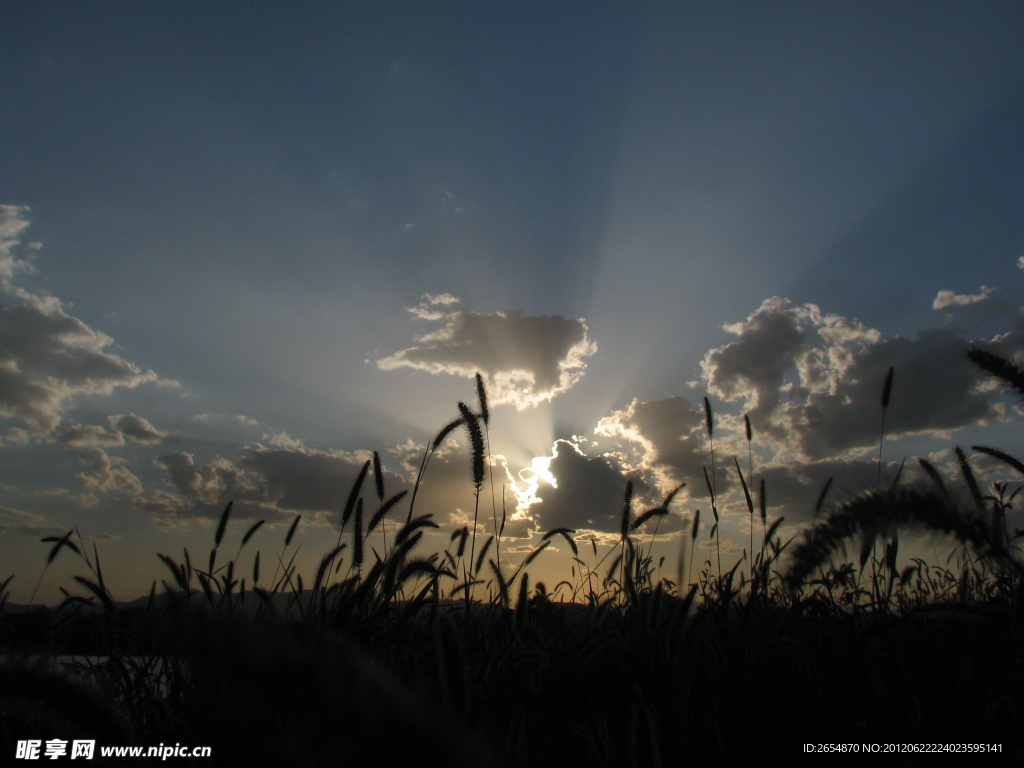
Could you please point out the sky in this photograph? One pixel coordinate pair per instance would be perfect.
(243, 246)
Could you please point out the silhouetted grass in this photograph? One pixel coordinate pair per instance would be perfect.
(394, 661)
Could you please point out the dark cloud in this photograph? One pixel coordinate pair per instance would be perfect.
(812, 383)
(304, 479)
(215, 483)
(526, 359)
(266, 481)
(278, 480)
(935, 390)
(588, 494)
(201, 492)
(673, 442)
(47, 358)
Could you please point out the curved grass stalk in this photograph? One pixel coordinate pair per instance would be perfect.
(872, 513)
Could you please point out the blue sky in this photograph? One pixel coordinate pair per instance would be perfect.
(244, 244)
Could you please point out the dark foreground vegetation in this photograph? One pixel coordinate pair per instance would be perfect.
(396, 657)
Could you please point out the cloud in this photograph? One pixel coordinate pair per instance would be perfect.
(830, 370)
(425, 309)
(213, 484)
(671, 438)
(16, 436)
(79, 435)
(304, 479)
(137, 429)
(776, 340)
(946, 298)
(105, 473)
(811, 383)
(935, 391)
(587, 493)
(26, 524)
(131, 426)
(47, 357)
(205, 418)
(525, 359)
(265, 481)
(277, 480)
(13, 221)
(201, 492)
(283, 440)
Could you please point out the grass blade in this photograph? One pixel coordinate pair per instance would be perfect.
(350, 505)
(251, 531)
(627, 509)
(291, 530)
(222, 525)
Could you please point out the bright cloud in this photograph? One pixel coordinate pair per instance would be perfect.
(526, 359)
(946, 298)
